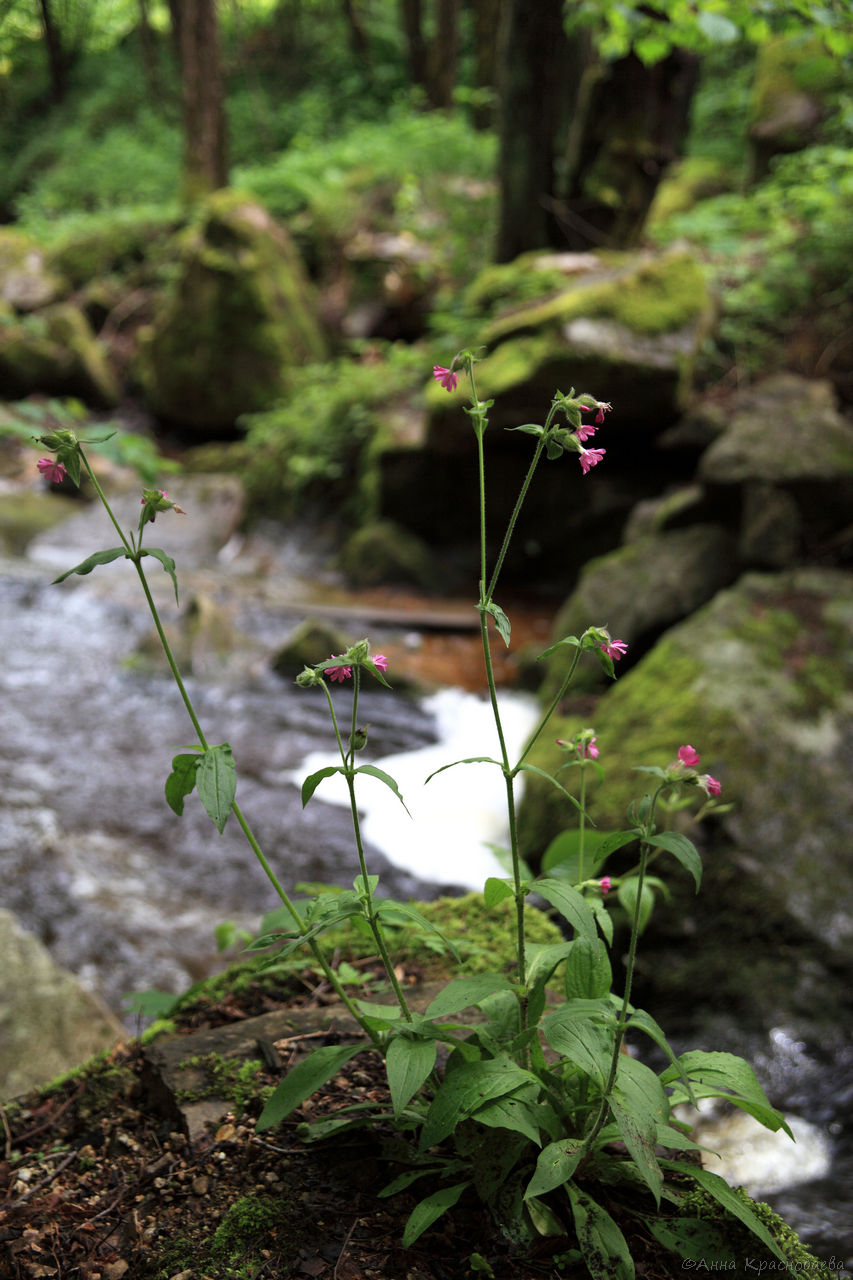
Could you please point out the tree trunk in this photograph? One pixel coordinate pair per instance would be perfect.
(357, 37)
(487, 15)
(441, 62)
(205, 165)
(540, 74)
(56, 60)
(147, 48)
(411, 19)
(634, 126)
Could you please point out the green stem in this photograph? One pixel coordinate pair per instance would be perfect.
(629, 977)
(540, 445)
(582, 822)
(135, 555)
(552, 707)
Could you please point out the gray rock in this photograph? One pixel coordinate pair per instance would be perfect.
(49, 1022)
(55, 352)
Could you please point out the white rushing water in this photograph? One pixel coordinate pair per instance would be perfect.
(458, 814)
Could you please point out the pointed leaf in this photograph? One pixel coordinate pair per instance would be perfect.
(495, 891)
(724, 1195)
(468, 760)
(603, 1245)
(92, 562)
(408, 1062)
(181, 781)
(570, 903)
(676, 843)
(312, 782)
(555, 1165)
(168, 564)
(531, 429)
(572, 641)
(514, 1113)
(584, 1040)
(639, 1105)
(501, 621)
(724, 1075)
(387, 907)
(532, 768)
(306, 1078)
(467, 1088)
(462, 992)
(216, 782)
(588, 973)
(383, 777)
(430, 1210)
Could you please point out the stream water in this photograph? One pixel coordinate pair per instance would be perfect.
(127, 895)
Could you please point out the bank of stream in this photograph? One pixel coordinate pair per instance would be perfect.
(127, 895)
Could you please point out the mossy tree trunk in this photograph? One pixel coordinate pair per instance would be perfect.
(488, 16)
(205, 163)
(432, 64)
(57, 60)
(583, 143)
(634, 125)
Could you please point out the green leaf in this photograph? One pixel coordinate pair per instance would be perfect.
(429, 1210)
(564, 849)
(462, 992)
(405, 1180)
(717, 27)
(181, 781)
(468, 1087)
(724, 1075)
(151, 1003)
(627, 895)
(571, 641)
(306, 1078)
(408, 1062)
(570, 903)
(388, 908)
(312, 782)
(168, 564)
(383, 777)
(674, 842)
(501, 621)
(582, 1031)
(532, 768)
(603, 1245)
(468, 760)
(642, 1021)
(517, 1114)
(639, 1105)
(724, 1195)
(588, 973)
(92, 562)
(216, 782)
(530, 428)
(495, 891)
(555, 1165)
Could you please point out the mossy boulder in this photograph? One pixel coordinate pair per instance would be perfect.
(383, 551)
(54, 351)
(795, 77)
(760, 681)
(25, 513)
(26, 280)
(626, 329)
(238, 314)
(312, 641)
(640, 590)
(116, 242)
(782, 470)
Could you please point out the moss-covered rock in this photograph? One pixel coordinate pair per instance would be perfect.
(312, 641)
(795, 77)
(26, 281)
(110, 243)
(761, 682)
(383, 551)
(641, 589)
(25, 513)
(238, 314)
(55, 351)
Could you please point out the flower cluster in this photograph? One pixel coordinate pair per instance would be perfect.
(154, 500)
(583, 743)
(585, 430)
(686, 763)
(340, 666)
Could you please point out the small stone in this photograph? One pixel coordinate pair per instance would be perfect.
(200, 1185)
(225, 1132)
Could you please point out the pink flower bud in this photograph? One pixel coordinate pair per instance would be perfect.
(688, 756)
(709, 785)
(605, 884)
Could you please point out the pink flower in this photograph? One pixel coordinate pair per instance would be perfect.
(339, 674)
(380, 662)
(589, 749)
(616, 649)
(605, 884)
(709, 785)
(591, 458)
(688, 756)
(447, 379)
(584, 431)
(602, 409)
(53, 471)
